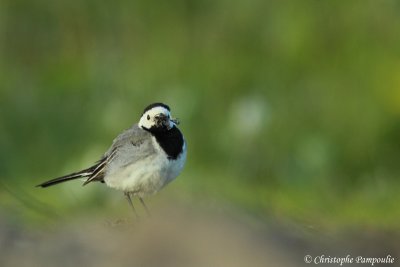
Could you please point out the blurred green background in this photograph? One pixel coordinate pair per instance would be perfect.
(291, 109)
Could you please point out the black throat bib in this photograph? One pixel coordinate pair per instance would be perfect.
(170, 140)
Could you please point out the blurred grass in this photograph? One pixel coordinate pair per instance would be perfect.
(290, 108)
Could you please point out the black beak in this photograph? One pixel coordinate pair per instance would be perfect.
(161, 119)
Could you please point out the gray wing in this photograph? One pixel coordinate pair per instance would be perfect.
(134, 135)
(130, 146)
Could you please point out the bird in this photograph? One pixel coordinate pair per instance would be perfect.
(141, 160)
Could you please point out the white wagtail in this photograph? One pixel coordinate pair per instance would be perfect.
(141, 160)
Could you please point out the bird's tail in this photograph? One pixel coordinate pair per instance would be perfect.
(89, 172)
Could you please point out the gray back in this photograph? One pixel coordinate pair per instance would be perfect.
(130, 146)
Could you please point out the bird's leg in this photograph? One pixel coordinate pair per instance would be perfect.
(145, 207)
(128, 196)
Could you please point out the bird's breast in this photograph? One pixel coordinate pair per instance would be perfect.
(148, 175)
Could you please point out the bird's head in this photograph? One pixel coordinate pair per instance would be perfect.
(157, 117)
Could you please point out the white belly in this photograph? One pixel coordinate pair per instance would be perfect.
(149, 175)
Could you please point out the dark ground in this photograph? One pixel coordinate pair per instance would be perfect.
(183, 236)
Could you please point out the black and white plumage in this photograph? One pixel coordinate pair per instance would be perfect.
(142, 159)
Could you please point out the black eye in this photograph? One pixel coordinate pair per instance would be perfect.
(148, 117)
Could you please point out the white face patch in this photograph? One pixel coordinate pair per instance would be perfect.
(148, 118)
